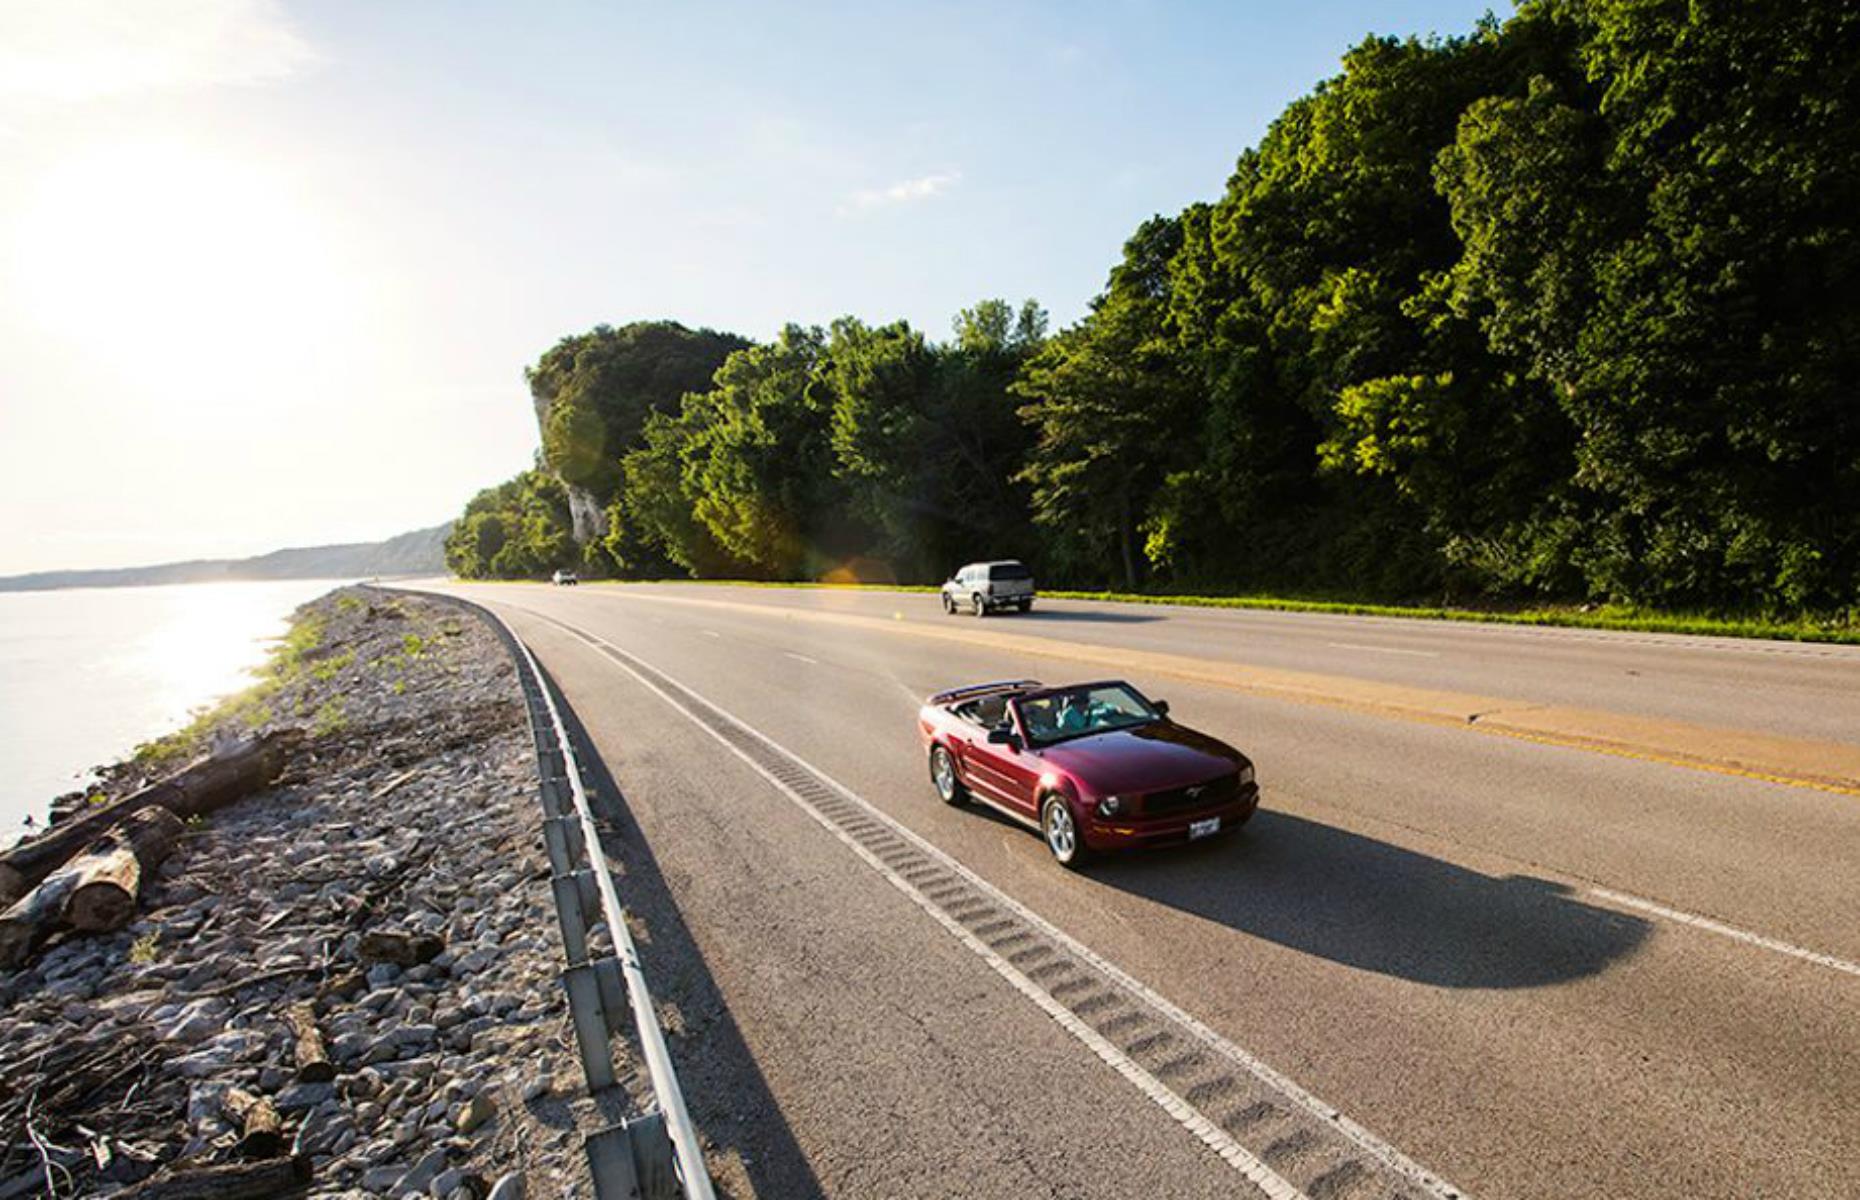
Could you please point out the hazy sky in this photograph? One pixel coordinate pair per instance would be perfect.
(269, 273)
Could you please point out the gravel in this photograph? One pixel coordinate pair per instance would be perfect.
(412, 808)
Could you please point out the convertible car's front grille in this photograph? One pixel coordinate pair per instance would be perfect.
(1202, 795)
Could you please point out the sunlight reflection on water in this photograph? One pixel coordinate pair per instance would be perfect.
(86, 674)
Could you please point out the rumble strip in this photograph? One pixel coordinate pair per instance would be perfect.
(1288, 1143)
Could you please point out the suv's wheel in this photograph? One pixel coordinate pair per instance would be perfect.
(949, 788)
(1026, 606)
(1061, 831)
(949, 606)
(977, 605)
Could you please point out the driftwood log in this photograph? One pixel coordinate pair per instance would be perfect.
(110, 874)
(313, 1065)
(98, 887)
(262, 1132)
(207, 785)
(237, 1181)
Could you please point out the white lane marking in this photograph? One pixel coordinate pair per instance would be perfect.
(1384, 649)
(1264, 1177)
(1238, 1156)
(801, 657)
(710, 633)
(1723, 930)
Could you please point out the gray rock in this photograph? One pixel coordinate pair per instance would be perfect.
(349, 1048)
(197, 1021)
(423, 1172)
(382, 974)
(507, 1187)
(201, 1064)
(301, 1096)
(475, 961)
(446, 1182)
(380, 1179)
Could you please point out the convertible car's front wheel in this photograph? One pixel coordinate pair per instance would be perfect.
(1061, 831)
(943, 774)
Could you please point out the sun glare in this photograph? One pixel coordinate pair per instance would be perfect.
(180, 254)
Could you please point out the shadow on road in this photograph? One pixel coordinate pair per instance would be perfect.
(727, 1095)
(1072, 616)
(1378, 907)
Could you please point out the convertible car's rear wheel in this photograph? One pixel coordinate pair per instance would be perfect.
(1061, 831)
(977, 605)
(943, 774)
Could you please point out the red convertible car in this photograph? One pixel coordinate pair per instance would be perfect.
(1092, 766)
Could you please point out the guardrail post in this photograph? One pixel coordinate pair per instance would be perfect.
(572, 917)
(613, 992)
(584, 1005)
(610, 1161)
(562, 835)
(652, 1157)
(553, 802)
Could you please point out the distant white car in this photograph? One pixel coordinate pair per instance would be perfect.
(564, 579)
(982, 588)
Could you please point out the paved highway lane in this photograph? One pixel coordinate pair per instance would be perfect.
(1484, 951)
(1800, 689)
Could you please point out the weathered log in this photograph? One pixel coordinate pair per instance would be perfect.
(105, 878)
(262, 1131)
(13, 884)
(313, 1065)
(235, 1181)
(401, 949)
(36, 917)
(111, 872)
(207, 785)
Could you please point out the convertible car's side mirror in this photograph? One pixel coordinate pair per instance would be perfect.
(1004, 737)
(1161, 706)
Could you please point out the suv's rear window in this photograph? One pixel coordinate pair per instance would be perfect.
(1009, 571)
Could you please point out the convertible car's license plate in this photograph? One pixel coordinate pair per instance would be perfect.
(1201, 829)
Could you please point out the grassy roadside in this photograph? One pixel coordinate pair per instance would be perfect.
(1839, 630)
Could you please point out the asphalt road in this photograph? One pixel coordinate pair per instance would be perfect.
(1436, 962)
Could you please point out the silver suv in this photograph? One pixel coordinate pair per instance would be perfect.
(981, 588)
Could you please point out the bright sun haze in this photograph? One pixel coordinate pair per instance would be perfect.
(271, 271)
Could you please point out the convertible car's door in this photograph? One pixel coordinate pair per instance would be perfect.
(984, 766)
(1019, 772)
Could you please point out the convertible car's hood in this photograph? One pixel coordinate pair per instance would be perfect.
(1145, 759)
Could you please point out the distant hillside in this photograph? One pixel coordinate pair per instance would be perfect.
(422, 552)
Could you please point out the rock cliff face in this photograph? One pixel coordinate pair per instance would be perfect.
(586, 513)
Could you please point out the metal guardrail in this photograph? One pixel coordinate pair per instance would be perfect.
(656, 1155)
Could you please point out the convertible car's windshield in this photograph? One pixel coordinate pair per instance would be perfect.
(1055, 716)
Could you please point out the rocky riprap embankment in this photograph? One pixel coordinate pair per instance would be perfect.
(411, 810)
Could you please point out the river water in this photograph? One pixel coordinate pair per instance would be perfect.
(86, 674)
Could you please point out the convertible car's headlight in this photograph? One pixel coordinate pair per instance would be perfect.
(1246, 774)
(1110, 805)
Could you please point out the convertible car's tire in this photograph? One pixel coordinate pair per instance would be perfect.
(943, 777)
(977, 605)
(1060, 829)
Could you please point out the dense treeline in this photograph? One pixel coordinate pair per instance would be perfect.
(1568, 307)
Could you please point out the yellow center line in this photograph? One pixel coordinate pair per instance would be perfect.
(1832, 767)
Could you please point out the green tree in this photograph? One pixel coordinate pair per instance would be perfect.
(519, 529)
(1110, 404)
